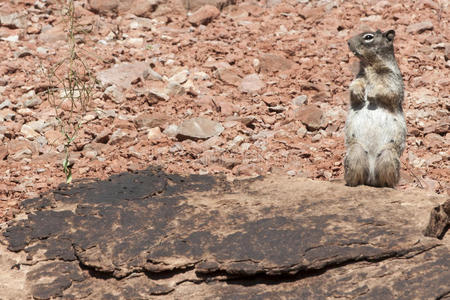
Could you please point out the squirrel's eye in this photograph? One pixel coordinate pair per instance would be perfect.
(368, 37)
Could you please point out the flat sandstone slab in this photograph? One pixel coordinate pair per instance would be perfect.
(150, 235)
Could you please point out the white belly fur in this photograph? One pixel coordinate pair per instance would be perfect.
(374, 128)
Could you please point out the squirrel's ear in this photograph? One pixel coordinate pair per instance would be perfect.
(390, 34)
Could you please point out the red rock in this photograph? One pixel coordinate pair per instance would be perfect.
(268, 119)
(312, 14)
(120, 136)
(104, 136)
(195, 4)
(154, 133)
(432, 159)
(430, 4)
(117, 166)
(139, 8)
(104, 6)
(19, 149)
(90, 154)
(13, 21)
(114, 93)
(443, 125)
(124, 74)
(251, 84)
(430, 184)
(447, 51)
(418, 28)
(80, 11)
(3, 152)
(274, 63)
(381, 6)
(225, 105)
(433, 141)
(311, 116)
(122, 124)
(28, 132)
(53, 34)
(281, 7)
(151, 120)
(204, 15)
(199, 128)
(228, 76)
(247, 120)
(247, 170)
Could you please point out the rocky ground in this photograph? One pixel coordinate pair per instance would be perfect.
(243, 88)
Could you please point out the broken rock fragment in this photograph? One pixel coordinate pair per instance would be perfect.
(246, 120)
(174, 88)
(123, 74)
(251, 84)
(228, 76)
(154, 133)
(418, 28)
(19, 149)
(199, 128)
(274, 63)
(204, 15)
(171, 130)
(151, 120)
(311, 116)
(51, 35)
(115, 94)
(439, 221)
(141, 8)
(180, 77)
(155, 95)
(121, 136)
(192, 5)
(103, 7)
(28, 132)
(13, 21)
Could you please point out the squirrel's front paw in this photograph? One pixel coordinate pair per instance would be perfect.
(357, 92)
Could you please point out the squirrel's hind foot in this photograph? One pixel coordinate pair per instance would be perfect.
(387, 168)
(356, 166)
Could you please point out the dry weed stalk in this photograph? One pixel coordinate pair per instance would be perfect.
(70, 87)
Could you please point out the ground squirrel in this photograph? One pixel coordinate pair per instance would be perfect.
(375, 129)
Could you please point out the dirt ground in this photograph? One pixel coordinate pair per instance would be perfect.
(272, 75)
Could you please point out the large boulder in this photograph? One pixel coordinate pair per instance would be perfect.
(150, 234)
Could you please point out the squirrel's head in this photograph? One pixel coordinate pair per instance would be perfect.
(373, 47)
